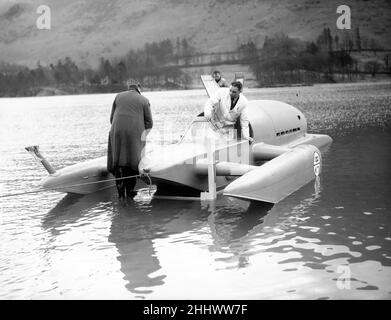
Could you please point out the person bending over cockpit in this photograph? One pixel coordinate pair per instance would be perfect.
(228, 105)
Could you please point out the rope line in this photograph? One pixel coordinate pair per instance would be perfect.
(75, 185)
(150, 184)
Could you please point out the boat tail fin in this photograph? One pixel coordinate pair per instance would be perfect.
(34, 151)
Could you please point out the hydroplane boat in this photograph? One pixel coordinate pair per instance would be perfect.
(282, 158)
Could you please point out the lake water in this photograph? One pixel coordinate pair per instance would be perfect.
(329, 240)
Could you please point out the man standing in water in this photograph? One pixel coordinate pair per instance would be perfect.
(131, 120)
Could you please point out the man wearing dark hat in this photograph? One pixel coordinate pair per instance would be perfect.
(131, 120)
(219, 79)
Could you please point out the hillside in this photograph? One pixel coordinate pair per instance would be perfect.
(88, 29)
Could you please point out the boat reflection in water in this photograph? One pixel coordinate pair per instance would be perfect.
(227, 228)
(135, 226)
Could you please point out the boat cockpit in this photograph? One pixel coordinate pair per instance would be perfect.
(202, 129)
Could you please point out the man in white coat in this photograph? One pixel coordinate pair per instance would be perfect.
(226, 106)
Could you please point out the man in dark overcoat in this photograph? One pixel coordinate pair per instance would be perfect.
(131, 120)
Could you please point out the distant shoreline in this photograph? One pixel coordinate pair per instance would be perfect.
(52, 91)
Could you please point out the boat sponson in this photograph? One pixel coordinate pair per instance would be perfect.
(279, 177)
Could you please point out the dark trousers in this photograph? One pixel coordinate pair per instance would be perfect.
(125, 185)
